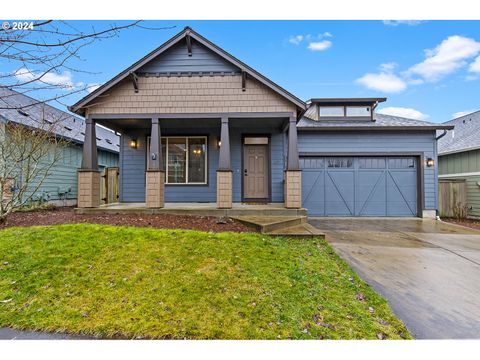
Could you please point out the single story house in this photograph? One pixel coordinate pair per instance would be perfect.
(199, 125)
(60, 186)
(459, 157)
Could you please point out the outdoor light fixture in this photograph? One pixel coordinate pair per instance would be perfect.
(429, 162)
(133, 143)
(219, 143)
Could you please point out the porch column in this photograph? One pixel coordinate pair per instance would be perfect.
(88, 174)
(224, 171)
(155, 175)
(293, 174)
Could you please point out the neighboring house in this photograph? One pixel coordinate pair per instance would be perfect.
(459, 157)
(199, 125)
(60, 187)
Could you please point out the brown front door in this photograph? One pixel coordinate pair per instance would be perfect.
(255, 172)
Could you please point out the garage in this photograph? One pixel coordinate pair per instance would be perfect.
(360, 186)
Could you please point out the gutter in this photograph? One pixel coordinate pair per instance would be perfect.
(441, 135)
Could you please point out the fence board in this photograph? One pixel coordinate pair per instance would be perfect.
(452, 198)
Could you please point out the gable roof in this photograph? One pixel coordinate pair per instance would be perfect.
(78, 107)
(464, 137)
(22, 109)
(310, 121)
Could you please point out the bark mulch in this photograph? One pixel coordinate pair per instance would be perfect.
(471, 223)
(162, 221)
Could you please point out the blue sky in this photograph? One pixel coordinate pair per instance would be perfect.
(428, 70)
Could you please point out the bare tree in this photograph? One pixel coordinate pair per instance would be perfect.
(27, 156)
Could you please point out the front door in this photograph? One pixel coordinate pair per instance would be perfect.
(255, 172)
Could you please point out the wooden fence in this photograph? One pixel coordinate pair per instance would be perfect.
(109, 185)
(452, 198)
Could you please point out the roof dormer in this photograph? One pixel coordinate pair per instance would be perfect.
(343, 108)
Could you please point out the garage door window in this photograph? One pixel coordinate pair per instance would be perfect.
(401, 163)
(340, 162)
(371, 163)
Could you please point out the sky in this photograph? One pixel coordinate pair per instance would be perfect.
(428, 70)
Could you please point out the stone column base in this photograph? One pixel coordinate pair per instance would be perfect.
(155, 189)
(293, 189)
(224, 189)
(88, 189)
(429, 214)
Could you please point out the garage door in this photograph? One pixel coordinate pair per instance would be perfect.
(359, 186)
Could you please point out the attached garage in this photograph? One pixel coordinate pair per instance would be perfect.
(360, 186)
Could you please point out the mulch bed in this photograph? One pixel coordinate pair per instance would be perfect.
(473, 224)
(162, 221)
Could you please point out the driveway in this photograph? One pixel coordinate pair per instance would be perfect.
(428, 270)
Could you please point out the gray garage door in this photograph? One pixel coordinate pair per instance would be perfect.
(359, 186)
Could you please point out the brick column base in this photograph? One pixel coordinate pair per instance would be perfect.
(224, 189)
(155, 189)
(293, 189)
(88, 189)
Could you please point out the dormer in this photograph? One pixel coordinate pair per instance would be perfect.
(331, 109)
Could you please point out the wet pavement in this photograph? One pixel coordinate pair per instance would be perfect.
(12, 334)
(428, 270)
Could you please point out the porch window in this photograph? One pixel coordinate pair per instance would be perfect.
(185, 159)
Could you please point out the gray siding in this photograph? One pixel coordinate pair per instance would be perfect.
(378, 142)
(176, 59)
(132, 167)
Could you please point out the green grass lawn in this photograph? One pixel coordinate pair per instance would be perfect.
(139, 282)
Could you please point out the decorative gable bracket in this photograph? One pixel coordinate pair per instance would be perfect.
(189, 44)
(244, 80)
(134, 81)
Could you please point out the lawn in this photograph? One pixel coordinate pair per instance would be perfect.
(128, 282)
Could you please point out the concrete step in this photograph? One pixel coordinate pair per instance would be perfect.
(303, 230)
(267, 224)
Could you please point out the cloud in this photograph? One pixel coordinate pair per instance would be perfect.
(475, 66)
(402, 22)
(450, 55)
(296, 39)
(92, 87)
(319, 45)
(384, 81)
(63, 80)
(408, 113)
(462, 113)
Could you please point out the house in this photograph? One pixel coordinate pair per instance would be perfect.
(60, 186)
(199, 125)
(459, 157)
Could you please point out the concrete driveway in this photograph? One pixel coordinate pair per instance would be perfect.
(428, 270)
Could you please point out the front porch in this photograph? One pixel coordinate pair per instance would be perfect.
(199, 209)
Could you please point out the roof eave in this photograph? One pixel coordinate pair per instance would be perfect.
(372, 128)
(456, 151)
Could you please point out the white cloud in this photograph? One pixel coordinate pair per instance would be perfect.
(319, 45)
(297, 39)
(92, 87)
(475, 66)
(384, 81)
(450, 55)
(402, 22)
(462, 113)
(408, 113)
(63, 80)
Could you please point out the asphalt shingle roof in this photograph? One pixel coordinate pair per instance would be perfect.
(22, 109)
(308, 121)
(465, 136)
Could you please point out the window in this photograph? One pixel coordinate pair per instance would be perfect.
(371, 163)
(340, 162)
(327, 111)
(358, 111)
(401, 163)
(185, 159)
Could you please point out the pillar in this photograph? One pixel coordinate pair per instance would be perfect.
(224, 170)
(88, 174)
(155, 175)
(293, 174)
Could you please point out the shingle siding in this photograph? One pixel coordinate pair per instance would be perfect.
(206, 94)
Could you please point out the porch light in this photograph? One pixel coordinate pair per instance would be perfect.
(430, 162)
(133, 143)
(219, 143)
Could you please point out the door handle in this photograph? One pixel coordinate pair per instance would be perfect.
(245, 172)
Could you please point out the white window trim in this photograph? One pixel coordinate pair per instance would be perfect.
(186, 158)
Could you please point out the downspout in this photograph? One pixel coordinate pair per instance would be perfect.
(438, 138)
(441, 135)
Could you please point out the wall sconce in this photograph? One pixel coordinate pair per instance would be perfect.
(133, 143)
(430, 162)
(219, 143)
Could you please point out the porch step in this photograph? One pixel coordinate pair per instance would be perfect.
(303, 230)
(268, 224)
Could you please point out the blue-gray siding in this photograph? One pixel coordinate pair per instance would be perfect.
(133, 165)
(176, 59)
(381, 143)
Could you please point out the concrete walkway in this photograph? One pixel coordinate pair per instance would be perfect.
(11, 334)
(428, 270)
